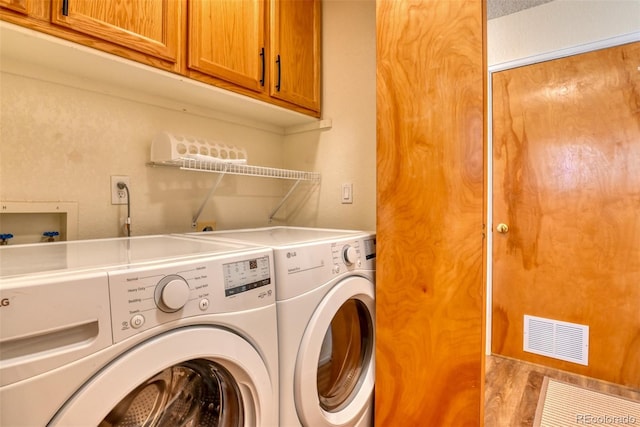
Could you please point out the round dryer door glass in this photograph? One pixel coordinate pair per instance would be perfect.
(345, 350)
(193, 393)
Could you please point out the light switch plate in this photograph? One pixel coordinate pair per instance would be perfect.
(347, 193)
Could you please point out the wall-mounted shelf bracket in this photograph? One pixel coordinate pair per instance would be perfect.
(194, 221)
(284, 199)
(238, 168)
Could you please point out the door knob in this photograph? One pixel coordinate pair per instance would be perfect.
(502, 228)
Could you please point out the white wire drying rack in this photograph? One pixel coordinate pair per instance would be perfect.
(243, 169)
(238, 168)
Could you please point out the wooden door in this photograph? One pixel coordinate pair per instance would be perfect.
(150, 27)
(226, 41)
(429, 265)
(566, 138)
(295, 49)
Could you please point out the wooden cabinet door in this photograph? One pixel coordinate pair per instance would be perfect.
(16, 5)
(147, 26)
(226, 40)
(566, 181)
(295, 49)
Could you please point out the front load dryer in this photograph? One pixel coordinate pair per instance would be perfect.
(325, 292)
(142, 331)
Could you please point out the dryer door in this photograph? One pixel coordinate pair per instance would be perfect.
(335, 368)
(196, 376)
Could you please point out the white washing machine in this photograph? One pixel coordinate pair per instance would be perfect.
(325, 292)
(142, 331)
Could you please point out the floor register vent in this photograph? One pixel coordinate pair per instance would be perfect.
(560, 340)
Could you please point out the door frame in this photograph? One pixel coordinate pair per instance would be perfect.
(556, 54)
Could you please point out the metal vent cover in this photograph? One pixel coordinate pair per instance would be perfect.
(557, 339)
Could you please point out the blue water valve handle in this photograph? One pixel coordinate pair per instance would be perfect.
(50, 235)
(4, 237)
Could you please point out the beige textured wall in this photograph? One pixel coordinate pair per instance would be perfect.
(58, 143)
(558, 25)
(346, 152)
(61, 142)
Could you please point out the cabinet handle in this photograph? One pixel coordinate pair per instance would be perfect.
(279, 69)
(65, 7)
(262, 59)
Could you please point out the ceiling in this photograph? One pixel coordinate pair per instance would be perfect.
(498, 8)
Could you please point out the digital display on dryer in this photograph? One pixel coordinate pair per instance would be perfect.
(370, 248)
(243, 276)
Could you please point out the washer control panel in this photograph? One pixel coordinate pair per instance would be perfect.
(172, 293)
(147, 297)
(245, 275)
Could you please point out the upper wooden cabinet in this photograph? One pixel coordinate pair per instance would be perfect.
(266, 49)
(21, 6)
(226, 40)
(150, 27)
(295, 49)
(228, 44)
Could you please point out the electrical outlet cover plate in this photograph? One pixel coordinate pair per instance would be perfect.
(119, 196)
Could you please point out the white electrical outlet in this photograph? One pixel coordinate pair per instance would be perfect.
(119, 195)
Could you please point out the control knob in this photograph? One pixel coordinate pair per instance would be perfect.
(349, 254)
(172, 293)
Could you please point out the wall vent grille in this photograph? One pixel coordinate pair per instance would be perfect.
(553, 338)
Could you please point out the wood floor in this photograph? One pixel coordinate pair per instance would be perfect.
(512, 388)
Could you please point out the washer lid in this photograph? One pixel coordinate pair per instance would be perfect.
(18, 260)
(279, 236)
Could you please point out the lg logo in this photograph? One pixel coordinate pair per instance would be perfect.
(4, 302)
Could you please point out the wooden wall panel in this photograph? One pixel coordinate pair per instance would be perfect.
(567, 182)
(430, 127)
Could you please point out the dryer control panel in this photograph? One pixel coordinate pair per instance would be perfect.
(143, 298)
(303, 267)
